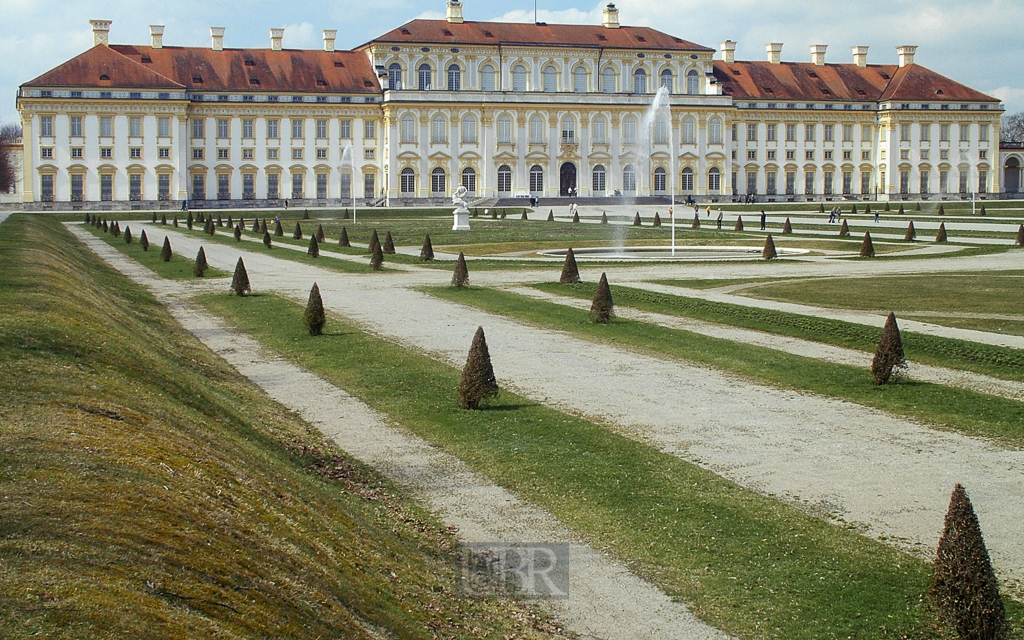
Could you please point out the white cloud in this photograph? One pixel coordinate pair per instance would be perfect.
(1013, 98)
(301, 36)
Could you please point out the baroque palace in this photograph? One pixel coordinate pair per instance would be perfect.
(503, 109)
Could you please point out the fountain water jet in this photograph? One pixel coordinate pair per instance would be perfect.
(346, 155)
(660, 109)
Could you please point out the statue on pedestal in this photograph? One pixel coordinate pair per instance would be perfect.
(461, 212)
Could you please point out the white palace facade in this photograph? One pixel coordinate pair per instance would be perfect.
(504, 109)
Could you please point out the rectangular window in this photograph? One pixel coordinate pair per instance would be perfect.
(296, 154)
(106, 187)
(369, 129)
(983, 154)
(790, 133)
(163, 153)
(865, 155)
(77, 153)
(790, 155)
(790, 183)
(904, 182)
(163, 127)
(809, 182)
(135, 153)
(926, 132)
(904, 154)
(321, 128)
(76, 126)
(321, 186)
(321, 154)
(847, 155)
(751, 182)
(752, 132)
(809, 155)
(273, 128)
(504, 130)
(944, 181)
(199, 128)
(222, 127)
(597, 181)
(771, 154)
(982, 181)
(248, 128)
(106, 153)
(46, 153)
(370, 182)
(46, 126)
(714, 181)
(809, 132)
(163, 186)
(107, 126)
(223, 186)
(770, 180)
(273, 186)
(924, 181)
(847, 182)
(135, 186)
(924, 154)
(983, 132)
(830, 133)
(297, 126)
(943, 133)
(273, 154)
(600, 131)
(828, 182)
(828, 154)
(135, 127)
(735, 135)
(865, 182)
(346, 186)
(197, 154)
(248, 186)
(223, 154)
(964, 184)
(248, 154)
(965, 133)
(752, 154)
(943, 154)
(770, 131)
(346, 129)
(865, 133)
(298, 184)
(77, 187)
(198, 186)
(847, 133)
(904, 133)
(369, 154)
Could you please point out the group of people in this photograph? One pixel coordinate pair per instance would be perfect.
(835, 214)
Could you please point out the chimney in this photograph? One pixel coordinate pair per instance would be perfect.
(860, 56)
(818, 54)
(774, 51)
(728, 48)
(100, 31)
(156, 34)
(276, 36)
(906, 53)
(453, 12)
(610, 16)
(217, 38)
(330, 35)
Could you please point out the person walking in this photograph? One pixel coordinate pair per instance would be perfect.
(876, 215)
(763, 219)
(719, 219)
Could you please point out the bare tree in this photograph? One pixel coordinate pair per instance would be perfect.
(9, 133)
(1011, 129)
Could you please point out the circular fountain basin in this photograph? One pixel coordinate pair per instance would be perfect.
(665, 253)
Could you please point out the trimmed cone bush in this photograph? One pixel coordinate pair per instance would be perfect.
(208, 226)
(238, 233)
(867, 248)
(821, 207)
(376, 257)
(460, 277)
(942, 210)
(844, 230)
(144, 241)
(886, 207)
(787, 227)
(163, 218)
(494, 214)
(127, 235)
(267, 241)
(575, 216)
(901, 209)
(314, 318)
(231, 223)
(314, 248)
(853, 209)
(1020, 236)
(696, 222)
(175, 221)
(917, 206)
(106, 229)
(165, 251)
(604, 218)
(345, 214)
(389, 244)
(889, 355)
(982, 212)
(297, 234)
(343, 241)
(739, 224)
(636, 220)
(374, 241)
(478, 381)
(189, 220)
(867, 209)
(551, 215)
(963, 588)
(657, 220)
(305, 214)
(263, 226)
(427, 250)
(201, 265)
(199, 218)
(240, 282)
(911, 232)
(769, 252)
(940, 236)
(524, 216)
(278, 229)
(570, 272)
(88, 218)
(602, 309)
(115, 229)
(320, 234)
(220, 221)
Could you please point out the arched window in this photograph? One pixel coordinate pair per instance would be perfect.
(438, 182)
(454, 78)
(438, 129)
(629, 130)
(537, 129)
(487, 78)
(599, 130)
(689, 131)
(504, 129)
(519, 78)
(550, 79)
(408, 182)
(536, 180)
(608, 80)
(469, 179)
(408, 128)
(693, 82)
(568, 130)
(629, 179)
(504, 179)
(640, 81)
(469, 129)
(661, 130)
(687, 179)
(394, 77)
(667, 80)
(715, 131)
(714, 179)
(424, 77)
(579, 80)
(598, 180)
(659, 180)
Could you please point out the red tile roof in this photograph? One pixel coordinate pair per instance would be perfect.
(914, 82)
(103, 67)
(564, 35)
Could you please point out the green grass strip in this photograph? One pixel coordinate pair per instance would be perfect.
(750, 565)
(178, 268)
(999, 362)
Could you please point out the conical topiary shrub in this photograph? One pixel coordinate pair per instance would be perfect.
(376, 257)
(867, 248)
(570, 272)
(189, 220)
(917, 206)
(696, 222)
(478, 381)
(165, 251)
(844, 230)
(575, 216)
(867, 209)
(267, 241)
(201, 265)
(853, 209)
(154, 217)
(314, 248)
(769, 252)
(144, 241)
(238, 233)
(636, 220)
(821, 207)
(314, 318)
(524, 216)
(657, 220)
(886, 207)
(787, 227)
(602, 309)
(739, 224)
(163, 218)
(551, 215)
(208, 226)
(106, 229)
(127, 235)
(389, 244)
(343, 241)
(263, 226)
(982, 212)
(427, 250)
(963, 589)
(604, 217)
(942, 210)
(940, 236)
(320, 234)
(115, 229)
(911, 232)
(901, 209)
(1020, 236)
(297, 234)
(278, 229)
(231, 222)
(175, 221)
(374, 241)
(460, 277)
(494, 214)
(345, 214)
(240, 281)
(220, 221)
(199, 217)
(889, 355)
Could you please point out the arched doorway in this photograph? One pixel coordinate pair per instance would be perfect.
(1011, 176)
(567, 179)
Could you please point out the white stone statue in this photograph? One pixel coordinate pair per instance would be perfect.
(461, 212)
(459, 197)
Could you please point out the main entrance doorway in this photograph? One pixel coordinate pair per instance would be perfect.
(567, 181)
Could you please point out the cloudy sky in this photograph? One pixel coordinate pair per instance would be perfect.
(976, 42)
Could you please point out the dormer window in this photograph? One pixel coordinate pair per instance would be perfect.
(448, 33)
(601, 37)
(197, 79)
(885, 75)
(104, 77)
(249, 62)
(338, 64)
(488, 34)
(254, 81)
(406, 32)
(735, 72)
(826, 92)
(641, 39)
(861, 92)
(812, 74)
(146, 59)
(938, 92)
